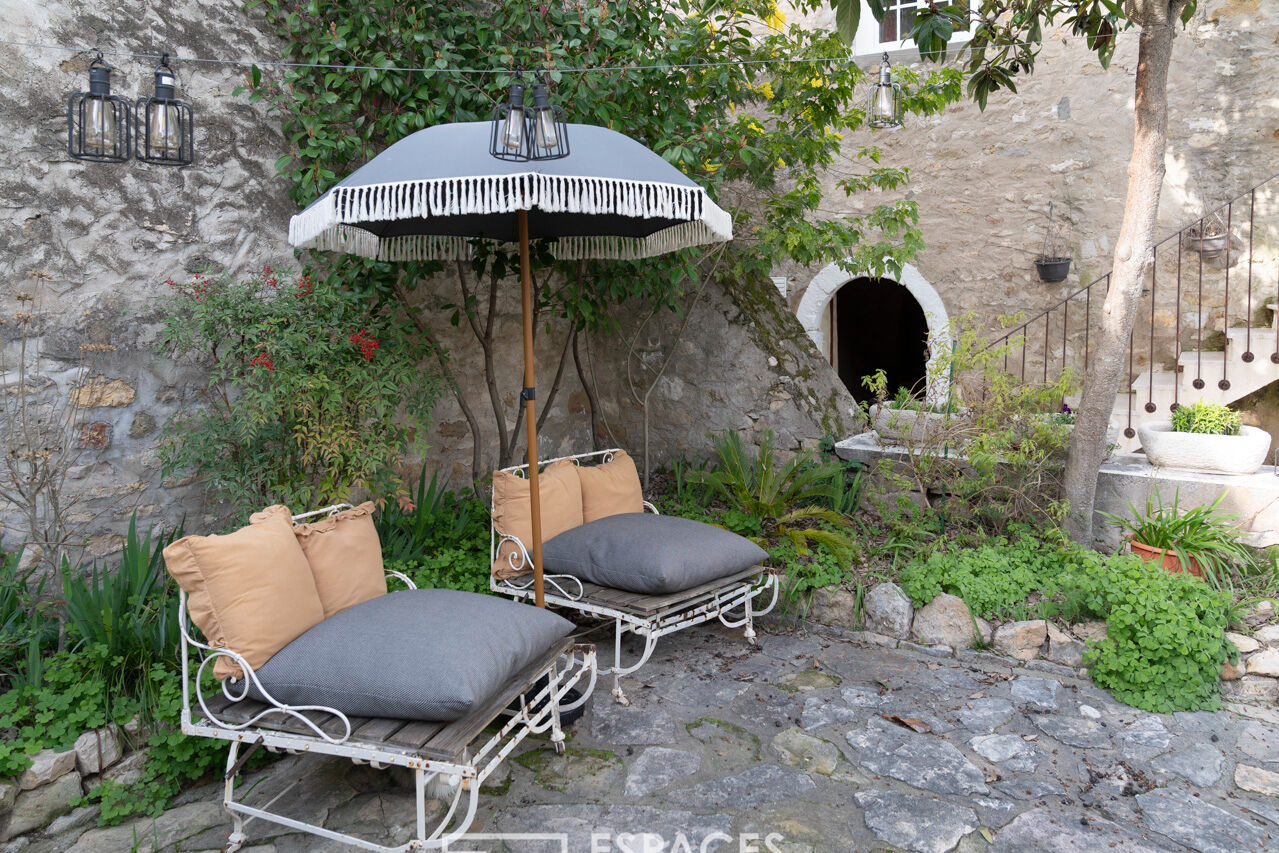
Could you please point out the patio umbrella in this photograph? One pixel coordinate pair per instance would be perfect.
(431, 194)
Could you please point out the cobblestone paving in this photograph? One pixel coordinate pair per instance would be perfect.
(804, 737)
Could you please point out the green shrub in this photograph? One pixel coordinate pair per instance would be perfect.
(787, 500)
(1166, 632)
(1003, 580)
(313, 390)
(1207, 418)
(440, 541)
(1165, 640)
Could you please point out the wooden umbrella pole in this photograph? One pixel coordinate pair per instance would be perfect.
(530, 406)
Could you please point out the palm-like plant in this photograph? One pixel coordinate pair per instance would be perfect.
(1209, 539)
(788, 498)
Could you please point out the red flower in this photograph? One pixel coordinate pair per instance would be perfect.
(262, 359)
(366, 343)
(304, 286)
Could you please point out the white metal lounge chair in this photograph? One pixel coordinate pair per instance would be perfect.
(446, 757)
(649, 616)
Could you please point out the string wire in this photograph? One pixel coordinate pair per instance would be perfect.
(656, 66)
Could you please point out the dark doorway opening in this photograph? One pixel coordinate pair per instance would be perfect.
(877, 323)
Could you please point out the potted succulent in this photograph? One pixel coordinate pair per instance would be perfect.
(1205, 437)
(1209, 236)
(1200, 540)
(908, 420)
(1053, 263)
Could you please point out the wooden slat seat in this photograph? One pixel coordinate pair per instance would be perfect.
(440, 741)
(639, 604)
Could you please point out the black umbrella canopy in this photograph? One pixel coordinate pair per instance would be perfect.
(428, 194)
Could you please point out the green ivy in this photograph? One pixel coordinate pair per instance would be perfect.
(1166, 632)
(1165, 640)
(70, 697)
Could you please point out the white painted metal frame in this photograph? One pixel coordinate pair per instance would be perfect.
(457, 782)
(695, 610)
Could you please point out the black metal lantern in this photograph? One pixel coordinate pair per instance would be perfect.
(166, 126)
(99, 123)
(550, 131)
(509, 137)
(523, 134)
(884, 106)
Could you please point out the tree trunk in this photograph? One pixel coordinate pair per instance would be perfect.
(1131, 262)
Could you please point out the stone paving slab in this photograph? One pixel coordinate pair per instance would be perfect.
(793, 738)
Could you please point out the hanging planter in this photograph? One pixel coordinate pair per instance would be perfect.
(1209, 237)
(1053, 264)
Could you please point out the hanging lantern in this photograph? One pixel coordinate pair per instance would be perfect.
(509, 138)
(884, 106)
(98, 123)
(550, 131)
(165, 134)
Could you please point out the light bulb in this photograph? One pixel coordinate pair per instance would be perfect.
(885, 104)
(99, 125)
(546, 136)
(163, 129)
(513, 135)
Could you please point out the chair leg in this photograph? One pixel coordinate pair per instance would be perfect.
(557, 733)
(237, 838)
(617, 665)
(750, 623)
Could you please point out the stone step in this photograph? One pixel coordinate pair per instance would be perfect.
(1261, 341)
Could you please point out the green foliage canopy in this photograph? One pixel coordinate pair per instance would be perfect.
(752, 111)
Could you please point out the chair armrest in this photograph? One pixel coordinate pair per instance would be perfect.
(391, 573)
(650, 508)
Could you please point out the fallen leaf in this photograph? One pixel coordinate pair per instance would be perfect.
(985, 833)
(909, 722)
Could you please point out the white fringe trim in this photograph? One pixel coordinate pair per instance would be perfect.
(328, 223)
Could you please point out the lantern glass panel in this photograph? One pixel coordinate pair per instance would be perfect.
(164, 129)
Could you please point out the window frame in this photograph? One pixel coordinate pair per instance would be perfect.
(866, 42)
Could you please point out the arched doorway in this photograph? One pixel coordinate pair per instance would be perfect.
(875, 324)
(860, 323)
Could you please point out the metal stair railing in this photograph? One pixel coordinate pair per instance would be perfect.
(1059, 338)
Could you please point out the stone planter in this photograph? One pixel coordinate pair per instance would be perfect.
(1212, 454)
(911, 427)
(1168, 559)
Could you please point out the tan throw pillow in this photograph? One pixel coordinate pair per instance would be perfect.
(344, 551)
(345, 556)
(611, 488)
(250, 591)
(561, 493)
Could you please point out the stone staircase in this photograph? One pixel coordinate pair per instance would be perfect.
(1152, 395)
(1207, 326)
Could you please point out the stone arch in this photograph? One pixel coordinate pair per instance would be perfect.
(817, 296)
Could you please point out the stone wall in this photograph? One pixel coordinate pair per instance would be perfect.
(983, 180)
(94, 243)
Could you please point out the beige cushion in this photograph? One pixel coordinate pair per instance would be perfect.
(611, 488)
(250, 591)
(561, 494)
(345, 556)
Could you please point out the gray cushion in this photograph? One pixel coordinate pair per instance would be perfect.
(652, 554)
(425, 654)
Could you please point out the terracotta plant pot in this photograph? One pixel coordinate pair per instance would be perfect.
(1168, 559)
